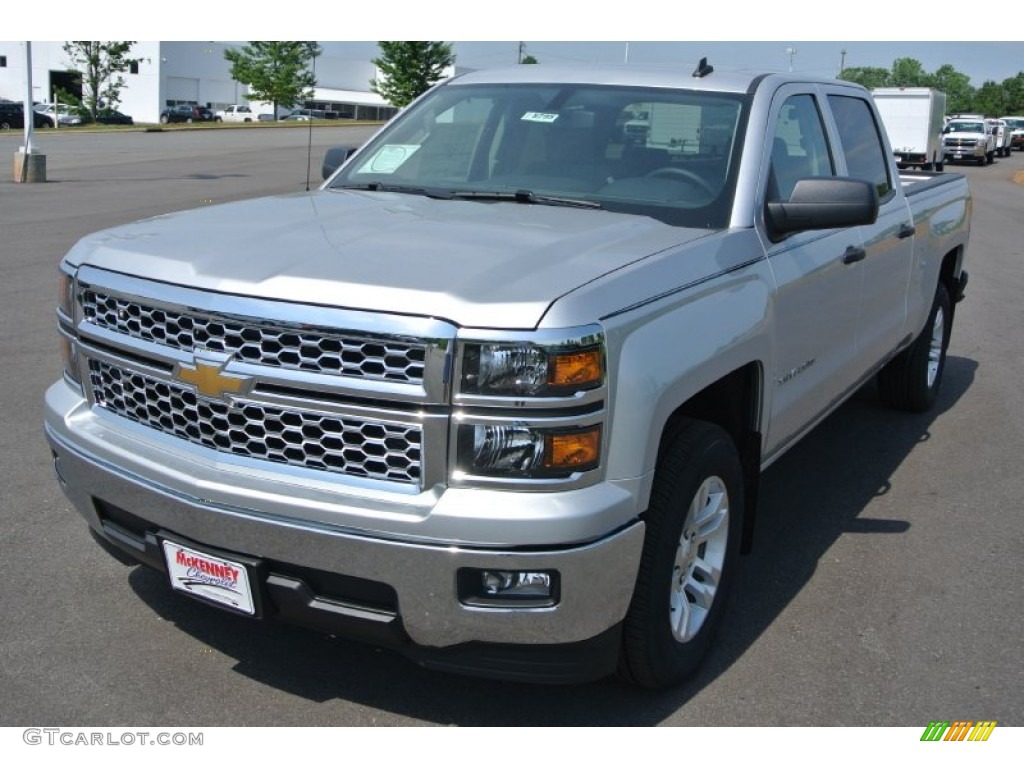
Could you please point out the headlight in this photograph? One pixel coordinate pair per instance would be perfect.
(66, 295)
(529, 406)
(531, 370)
(66, 325)
(517, 451)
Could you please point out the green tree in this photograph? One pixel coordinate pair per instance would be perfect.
(529, 59)
(990, 99)
(278, 71)
(1014, 90)
(909, 73)
(869, 77)
(409, 68)
(957, 87)
(101, 64)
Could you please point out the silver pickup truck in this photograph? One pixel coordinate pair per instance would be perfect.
(499, 394)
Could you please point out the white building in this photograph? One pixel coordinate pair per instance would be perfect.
(171, 73)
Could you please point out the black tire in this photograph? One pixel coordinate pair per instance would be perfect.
(939, 167)
(699, 470)
(164, 119)
(911, 380)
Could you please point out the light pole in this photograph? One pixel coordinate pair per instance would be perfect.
(29, 165)
(791, 52)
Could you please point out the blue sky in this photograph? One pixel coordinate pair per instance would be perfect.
(572, 31)
(981, 61)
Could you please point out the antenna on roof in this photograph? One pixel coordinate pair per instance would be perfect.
(703, 69)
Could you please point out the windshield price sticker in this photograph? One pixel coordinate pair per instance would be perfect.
(540, 117)
(389, 158)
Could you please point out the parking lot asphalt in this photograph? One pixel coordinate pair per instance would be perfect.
(885, 587)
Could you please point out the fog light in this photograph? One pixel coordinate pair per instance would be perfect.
(507, 589)
(516, 583)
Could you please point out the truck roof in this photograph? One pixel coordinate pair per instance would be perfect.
(681, 76)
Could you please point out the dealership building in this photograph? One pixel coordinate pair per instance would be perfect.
(169, 73)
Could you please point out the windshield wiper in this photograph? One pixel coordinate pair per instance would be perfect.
(524, 196)
(376, 186)
(519, 196)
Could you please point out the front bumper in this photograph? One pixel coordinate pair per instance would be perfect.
(393, 591)
(964, 153)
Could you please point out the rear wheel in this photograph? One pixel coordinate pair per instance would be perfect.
(689, 557)
(911, 380)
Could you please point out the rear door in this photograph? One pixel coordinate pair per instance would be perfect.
(863, 153)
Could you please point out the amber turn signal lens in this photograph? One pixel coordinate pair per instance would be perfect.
(573, 450)
(575, 369)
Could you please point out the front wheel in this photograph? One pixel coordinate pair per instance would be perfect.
(689, 557)
(911, 380)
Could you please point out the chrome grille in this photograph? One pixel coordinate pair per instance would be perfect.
(305, 438)
(256, 341)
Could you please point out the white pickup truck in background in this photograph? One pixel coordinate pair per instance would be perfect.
(499, 394)
(969, 138)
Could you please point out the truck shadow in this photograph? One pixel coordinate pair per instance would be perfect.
(811, 497)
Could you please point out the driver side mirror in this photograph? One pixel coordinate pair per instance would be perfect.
(824, 203)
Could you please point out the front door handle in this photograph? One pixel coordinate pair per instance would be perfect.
(905, 231)
(854, 254)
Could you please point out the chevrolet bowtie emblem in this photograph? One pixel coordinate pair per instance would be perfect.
(208, 377)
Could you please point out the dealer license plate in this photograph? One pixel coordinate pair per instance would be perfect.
(209, 577)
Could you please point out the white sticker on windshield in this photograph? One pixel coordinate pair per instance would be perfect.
(389, 158)
(540, 117)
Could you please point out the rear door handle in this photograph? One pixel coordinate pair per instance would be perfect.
(854, 254)
(905, 231)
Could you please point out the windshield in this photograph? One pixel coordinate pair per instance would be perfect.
(971, 127)
(564, 144)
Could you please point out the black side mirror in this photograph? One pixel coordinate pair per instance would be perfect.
(825, 203)
(335, 157)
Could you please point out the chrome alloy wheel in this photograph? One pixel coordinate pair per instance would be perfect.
(697, 570)
(936, 346)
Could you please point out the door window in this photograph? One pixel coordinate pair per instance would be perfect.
(862, 143)
(799, 147)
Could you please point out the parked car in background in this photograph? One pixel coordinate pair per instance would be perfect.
(186, 113)
(236, 113)
(12, 116)
(306, 115)
(1003, 134)
(58, 115)
(113, 117)
(1016, 125)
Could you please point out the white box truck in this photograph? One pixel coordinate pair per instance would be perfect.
(913, 119)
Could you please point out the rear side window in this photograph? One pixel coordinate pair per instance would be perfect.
(862, 143)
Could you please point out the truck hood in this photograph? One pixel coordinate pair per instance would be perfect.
(476, 264)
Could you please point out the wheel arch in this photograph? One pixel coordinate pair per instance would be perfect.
(734, 403)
